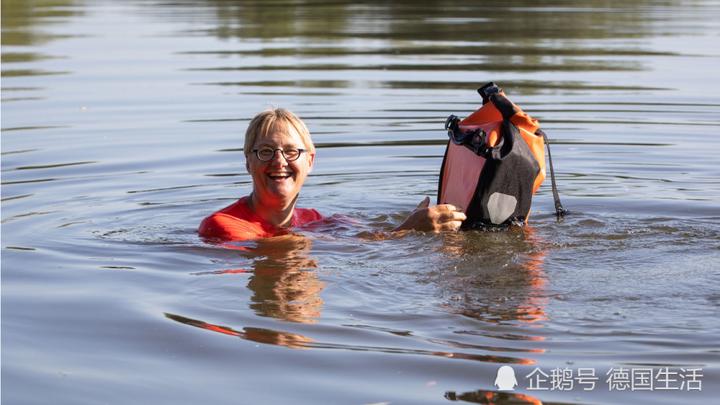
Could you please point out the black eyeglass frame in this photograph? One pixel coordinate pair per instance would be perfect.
(275, 150)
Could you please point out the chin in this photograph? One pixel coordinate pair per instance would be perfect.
(283, 196)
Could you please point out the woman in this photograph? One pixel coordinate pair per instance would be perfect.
(279, 155)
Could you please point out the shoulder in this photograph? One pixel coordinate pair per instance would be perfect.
(306, 215)
(231, 223)
(239, 209)
(226, 227)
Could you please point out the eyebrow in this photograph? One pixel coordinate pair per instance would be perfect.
(270, 145)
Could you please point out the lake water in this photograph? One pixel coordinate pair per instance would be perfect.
(122, 127)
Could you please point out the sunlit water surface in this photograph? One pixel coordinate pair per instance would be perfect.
(122, 128)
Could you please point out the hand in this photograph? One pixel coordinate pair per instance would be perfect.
(443, 217)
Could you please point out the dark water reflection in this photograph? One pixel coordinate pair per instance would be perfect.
(435, 20)
(121, 130)
(508, 267)
(282, 281)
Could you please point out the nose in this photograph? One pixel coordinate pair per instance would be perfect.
(278, 156)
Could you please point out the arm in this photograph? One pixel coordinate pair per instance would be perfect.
(443, 217)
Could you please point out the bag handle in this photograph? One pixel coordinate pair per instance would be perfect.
(491, 92)
(560, 212)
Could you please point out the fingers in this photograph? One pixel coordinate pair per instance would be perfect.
(449, 226)
(438, 218)
(446, 217)
(447, 207)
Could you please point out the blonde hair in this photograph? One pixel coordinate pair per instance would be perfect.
(276, 119)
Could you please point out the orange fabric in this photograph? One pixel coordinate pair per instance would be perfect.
(489, 119)
(527, 126)
(486, 113)
(239, 222)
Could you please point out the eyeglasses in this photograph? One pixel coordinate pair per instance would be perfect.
(267, 154)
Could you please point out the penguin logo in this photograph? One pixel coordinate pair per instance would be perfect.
(505, 380)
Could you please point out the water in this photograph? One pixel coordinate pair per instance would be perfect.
(122, 128)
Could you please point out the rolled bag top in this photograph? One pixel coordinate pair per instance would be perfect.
(497, 107)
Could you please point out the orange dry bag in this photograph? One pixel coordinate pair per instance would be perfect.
(494, 163)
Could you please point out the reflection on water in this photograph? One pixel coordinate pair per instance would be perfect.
(290, 295)
(122, 128)
(283, 281)
(317, 46)
(299, 341)
(429, 20)
(492, 397)
(291, 340)
(284, 286)
(496, 276)
(22, 26)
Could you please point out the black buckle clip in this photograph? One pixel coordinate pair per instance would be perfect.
(473, 140)
(488, 90)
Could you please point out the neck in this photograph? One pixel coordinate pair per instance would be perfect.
(279, 215)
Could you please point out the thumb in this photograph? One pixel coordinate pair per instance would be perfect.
(424, 203)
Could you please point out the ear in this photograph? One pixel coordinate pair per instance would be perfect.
(311, 161)
(247, 165)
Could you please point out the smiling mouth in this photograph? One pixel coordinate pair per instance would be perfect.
(280, 176)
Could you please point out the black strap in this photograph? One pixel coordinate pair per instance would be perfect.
(559, 210)
(487, 90)
(504, 105)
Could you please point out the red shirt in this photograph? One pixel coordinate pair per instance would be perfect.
(239, 222)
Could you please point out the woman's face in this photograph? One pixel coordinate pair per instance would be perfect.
(276, 183)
